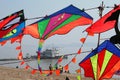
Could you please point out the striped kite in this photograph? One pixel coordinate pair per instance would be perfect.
(102, 62)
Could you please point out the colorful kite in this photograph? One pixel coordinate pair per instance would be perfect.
(105, 23)
(60, 22)
(12, 26)
(102, 62)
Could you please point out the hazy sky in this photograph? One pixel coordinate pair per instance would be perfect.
(68, 43)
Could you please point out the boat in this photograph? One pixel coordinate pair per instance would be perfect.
(50, 54)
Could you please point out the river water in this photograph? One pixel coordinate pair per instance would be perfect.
(44, 63)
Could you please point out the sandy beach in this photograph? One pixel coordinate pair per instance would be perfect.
(7, 73)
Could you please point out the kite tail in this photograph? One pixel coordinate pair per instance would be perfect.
(38, 53)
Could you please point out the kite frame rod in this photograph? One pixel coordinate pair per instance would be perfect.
(97, 8)
(36, 18)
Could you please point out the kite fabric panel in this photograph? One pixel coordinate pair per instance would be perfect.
(60, 22)
(105, 23)
(102, 62)
(12, 25)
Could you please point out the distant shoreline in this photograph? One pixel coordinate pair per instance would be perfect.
(8, 59)
(33, 58)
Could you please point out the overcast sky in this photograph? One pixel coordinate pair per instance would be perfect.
(68, 43)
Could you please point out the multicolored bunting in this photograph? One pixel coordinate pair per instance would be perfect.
(79, 51)
(3, 43)
(20, 55)
(66, 67)
(18, 47)
(33, 71)
(17, 39)
(27, 67)
(74, 60)
(22, 63)
(82, 40)
(60, 59)
(57, 72)
(78, 71)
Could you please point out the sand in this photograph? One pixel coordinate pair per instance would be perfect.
(7, 73)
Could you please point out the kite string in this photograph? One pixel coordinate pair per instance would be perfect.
(78, 50)
(36, 17)
(97, 8)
